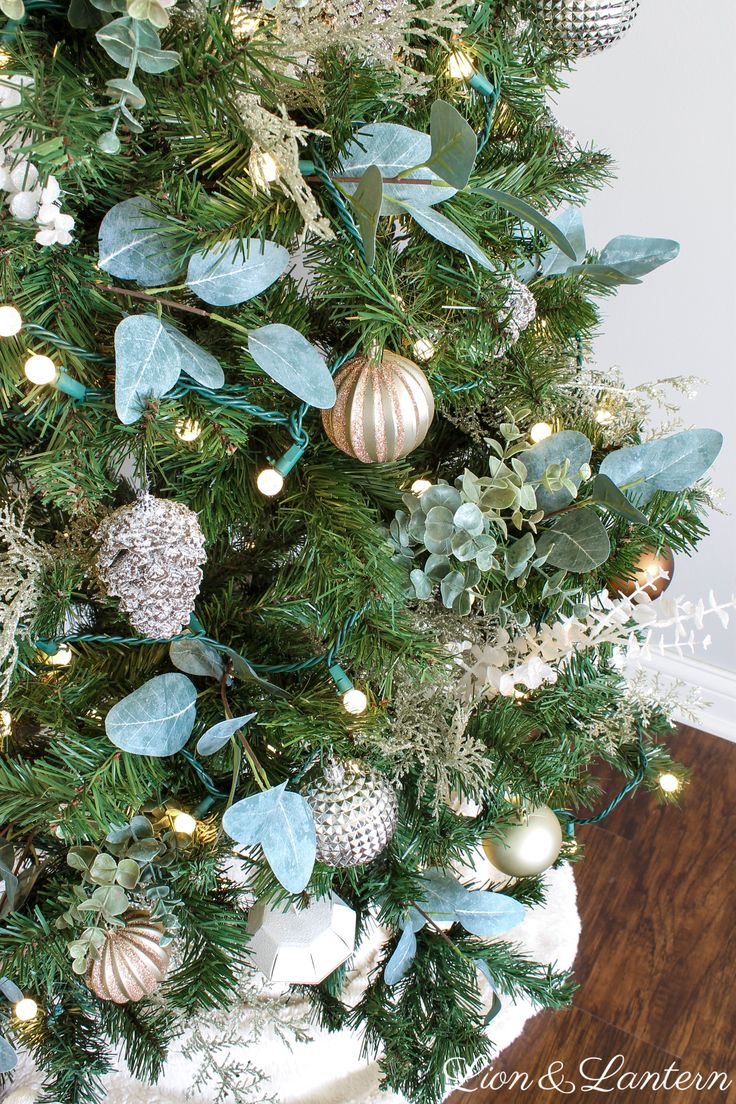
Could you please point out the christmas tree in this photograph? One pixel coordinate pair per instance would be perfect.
(321, 534)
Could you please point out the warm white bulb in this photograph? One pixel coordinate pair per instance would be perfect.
(4, 58)
(10, 321)
(188, 429)
(668, 782)
(244, 24)
(62, 658)
(603, 417)
(540, 431)
(355, 701)
(185, 824)
(423, 349)
(460, 65)
(40, 369)
(26, 1009)
(264, 168)
(419, 486)
(6, 722)
(269, 482)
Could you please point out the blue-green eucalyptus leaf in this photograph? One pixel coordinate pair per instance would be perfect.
(147, 364)
(218, 735)
(366, 202)
(393, 149)
(228, 274)
(454, 145)
(530, 215)
(283, 824)
(133, 245)
(446, 232)
(125, 37)
(469, 518)
(604, 492)
(198, 364)
(400, 961)
(605, 275)
(287, 357)
(635, 256)
(438, 895)
(194, 657)
(576, 542)
(441, 495)
(10, 990)
(668, 464)
(8, 1057)
(451, 587)
(518, 555)
(485, 913)
(156, 719)
(556, 449)
(422, 585)
(553, 261)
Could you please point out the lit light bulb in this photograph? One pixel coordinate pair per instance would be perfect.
(603, 417)
(25, 1009)
(460, 65)
(6, 722)
(40, 369)
(185, 824)
(355, 701)
(669, 782)
(419, 486)
(244, 24)
(540, 431)
(61, 658)
(10, 321)
(4, 58)
(263, 168)
(269, 482)
(188, 429)
(423, 349)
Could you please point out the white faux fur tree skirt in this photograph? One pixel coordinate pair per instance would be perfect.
(328, 1068)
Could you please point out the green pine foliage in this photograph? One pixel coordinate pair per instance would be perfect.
(283, 576)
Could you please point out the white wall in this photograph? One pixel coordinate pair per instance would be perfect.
(662, 102)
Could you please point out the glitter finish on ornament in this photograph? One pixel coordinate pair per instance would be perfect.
(384, 408)
(519, 310)
(355, 811)
(132, 962)
(585, 26)
(149, 558)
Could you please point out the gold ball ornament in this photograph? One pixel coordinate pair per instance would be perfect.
(384, 408)
(132, 963)
(528, 845)
(646, 573)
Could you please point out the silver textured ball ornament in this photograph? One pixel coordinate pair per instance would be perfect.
(150, 555)
(355, 811)
(584, 26)
(384, 408)
(529, 845)
(132, 963)
(518, 312)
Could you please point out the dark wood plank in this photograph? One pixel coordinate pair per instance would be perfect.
(657, 953)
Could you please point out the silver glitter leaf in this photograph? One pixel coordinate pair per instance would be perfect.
(288, 358)
(156, 719)
(228, 274)
(147, 364)
(133, 245)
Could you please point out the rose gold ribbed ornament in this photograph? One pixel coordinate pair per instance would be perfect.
(132, 963)
(384, 408)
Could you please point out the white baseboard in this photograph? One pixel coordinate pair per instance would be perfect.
(717, 687)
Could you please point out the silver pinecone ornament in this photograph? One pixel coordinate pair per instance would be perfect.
(355, 812)
(149, 558)
(585, 26)
(519, 310)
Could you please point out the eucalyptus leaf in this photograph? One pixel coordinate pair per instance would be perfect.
(133, 245)
(556, 449)
(218, 735)
(366, 202)
(454, 145)
(147, 364)
(576, 542)
(111, 899)
(446, 232)
(394, 149)
(634, 256)
(283, 824)
(199, 364)
(196, 658)
(518, 555)
(10, 990)
(604, 492)
(156, 719)
(126, 38)
(128, 873)
(242, 669)
(422, 585)
(103, 869)
(553, 261)
(402, 958)
(228, 274)
(8, 1057)
(530, 215)
(288, 358)
(438, 895)
(485, 913)
(605, 275)
(123, 86)
(667, 464)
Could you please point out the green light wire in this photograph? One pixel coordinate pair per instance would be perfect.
(631, 785)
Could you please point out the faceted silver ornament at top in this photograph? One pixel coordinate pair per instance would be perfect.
(518, 311)
(149, 558)
(585, 26)
(355, 810)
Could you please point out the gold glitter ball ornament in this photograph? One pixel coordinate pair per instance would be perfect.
(584, 26)
(355, 811)
(384, 408)
(132, 962)
(150, 555)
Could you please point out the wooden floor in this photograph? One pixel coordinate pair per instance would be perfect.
(657, 953)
